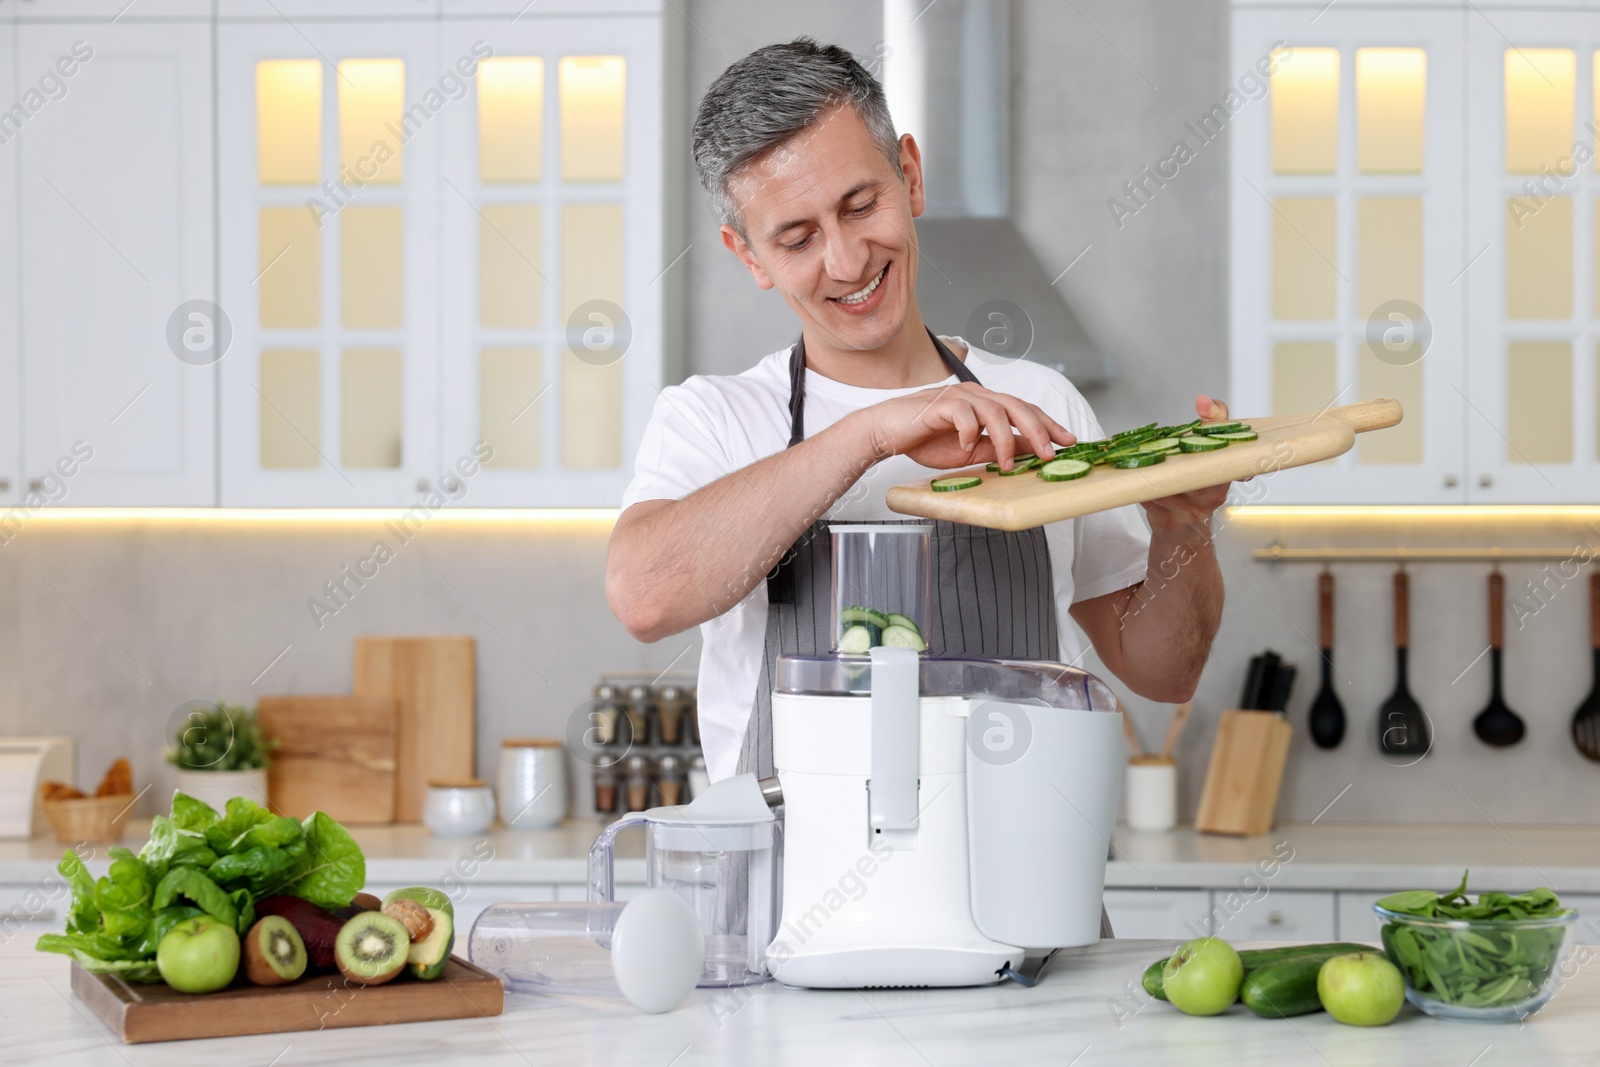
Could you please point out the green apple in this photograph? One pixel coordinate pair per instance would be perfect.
(199, 955)
(1203, 977)
(1361, 989)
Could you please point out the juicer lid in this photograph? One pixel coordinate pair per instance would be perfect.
(1038, 682)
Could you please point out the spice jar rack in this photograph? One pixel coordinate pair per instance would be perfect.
(648, 738)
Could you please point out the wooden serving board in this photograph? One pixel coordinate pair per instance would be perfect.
(335, 754)
(1023, 501)
(137, 1013)
(434, 679)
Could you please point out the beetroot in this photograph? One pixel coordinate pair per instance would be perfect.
(318, 928)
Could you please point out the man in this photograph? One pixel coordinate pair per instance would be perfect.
(796, 148)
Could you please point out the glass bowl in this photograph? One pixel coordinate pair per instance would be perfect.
(1477, 969)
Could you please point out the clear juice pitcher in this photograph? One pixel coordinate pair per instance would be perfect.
(723, 854)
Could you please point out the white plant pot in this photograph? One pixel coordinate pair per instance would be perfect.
(218, 787)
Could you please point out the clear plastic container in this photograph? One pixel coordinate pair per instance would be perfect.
(881, 586)
(549, 947)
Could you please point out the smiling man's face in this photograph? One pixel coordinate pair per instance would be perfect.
(829, 227)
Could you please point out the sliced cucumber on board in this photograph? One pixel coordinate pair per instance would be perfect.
(956, 484)
(1064, 470)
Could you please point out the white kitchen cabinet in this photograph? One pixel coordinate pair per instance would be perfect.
(10, 364)
(1586, 931)
(116, 235)
(551, 251)
(1277, 915)
(1347, 200)
(1162, 914)
(328, 209)
(1357, 921)
(32, 909)
(1534, 295)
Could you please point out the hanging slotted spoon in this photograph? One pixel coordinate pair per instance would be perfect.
(1327, 714)
(1402, 727)
(1497, 724)
(1586, 720)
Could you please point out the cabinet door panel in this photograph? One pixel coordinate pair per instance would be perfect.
(329, 261)
(1277, 915)
(116, 239)
(1346, 221)
(10, 365)
(1162, 914)
(552, 255)
(1533, 308)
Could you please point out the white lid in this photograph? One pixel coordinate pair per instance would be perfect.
(657, 950)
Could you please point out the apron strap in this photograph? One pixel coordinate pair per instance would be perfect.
(797, 381)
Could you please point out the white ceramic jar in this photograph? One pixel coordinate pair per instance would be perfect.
(218, 787)
(458, 808)
(1152, 794)
(533, 783)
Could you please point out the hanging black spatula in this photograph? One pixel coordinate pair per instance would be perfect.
(1402, 727)
(1327, 714)
(1586, 720)
(1497, 724)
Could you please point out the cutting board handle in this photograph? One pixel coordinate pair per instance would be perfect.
(1325, 612)
(1594, 609)
(1402, 610)
(1370, 414)
(1497, 610)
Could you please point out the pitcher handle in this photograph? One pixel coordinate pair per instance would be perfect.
(602, 866)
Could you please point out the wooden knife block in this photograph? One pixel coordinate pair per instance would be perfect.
(1246, 770)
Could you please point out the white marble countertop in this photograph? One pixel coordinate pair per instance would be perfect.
(1324, 856)
(1081, 1013)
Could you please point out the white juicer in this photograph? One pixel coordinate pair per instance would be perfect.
(944, 817)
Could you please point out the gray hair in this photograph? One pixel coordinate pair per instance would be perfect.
(769, 96)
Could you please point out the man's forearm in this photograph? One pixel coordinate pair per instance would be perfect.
(1171, 618)
(690, 560)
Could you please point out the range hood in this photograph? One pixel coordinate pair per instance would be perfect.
(946, 73)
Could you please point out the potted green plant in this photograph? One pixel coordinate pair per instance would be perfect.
(220, 753)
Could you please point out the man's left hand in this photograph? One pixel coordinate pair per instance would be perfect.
(1194, 507)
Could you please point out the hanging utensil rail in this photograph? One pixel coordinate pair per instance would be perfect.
(1282, 554)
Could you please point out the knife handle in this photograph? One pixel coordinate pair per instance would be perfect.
(1497, 610)
(1325, 610)
(1594, 609)
(1402, 610)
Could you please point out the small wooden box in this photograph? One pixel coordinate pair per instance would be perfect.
(1241, 789)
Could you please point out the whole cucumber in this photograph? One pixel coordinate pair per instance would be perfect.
(1284, 987)
(1254, 958)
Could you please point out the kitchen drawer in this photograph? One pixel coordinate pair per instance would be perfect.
(1356, 919)
(1273, 915)
(1163, 914)
(34, 908)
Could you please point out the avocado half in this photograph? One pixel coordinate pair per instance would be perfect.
(427, 958)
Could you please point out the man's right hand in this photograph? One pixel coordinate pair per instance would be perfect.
(944, 427)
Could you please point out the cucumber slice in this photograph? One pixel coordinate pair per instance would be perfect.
(856, 640)
(1137, 429)
(1064, 470)
(1200, 443)
(1236, 435)
(1018, 460)
(904, 621)
(858, 614)
(1160, 444)
(952, 485)
(902, 637)
(1222, 427)
(1143, 459)
(1023, 465)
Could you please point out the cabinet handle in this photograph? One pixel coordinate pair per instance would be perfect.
(5, 485)
(423, 485)
(1451, 481)
(1485, 481)
(35, 485)
(1274, 918)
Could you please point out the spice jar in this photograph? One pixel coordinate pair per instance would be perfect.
(636, 776)
(607, 710)
(638, 705)
(605, 784)
(669, 779)
(670, 701)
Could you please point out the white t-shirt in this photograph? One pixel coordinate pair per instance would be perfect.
(712, 425)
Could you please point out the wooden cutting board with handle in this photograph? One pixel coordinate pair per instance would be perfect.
(1023, 501)
(335, 754)
(435, 681)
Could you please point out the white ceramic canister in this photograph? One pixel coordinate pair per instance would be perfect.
(458, 807)
(218, 787)
(533, 783)
(1152, 794)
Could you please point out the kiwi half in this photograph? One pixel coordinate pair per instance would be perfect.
(274, 952)
(372, 948)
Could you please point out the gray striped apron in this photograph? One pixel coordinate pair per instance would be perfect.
(992, 596)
